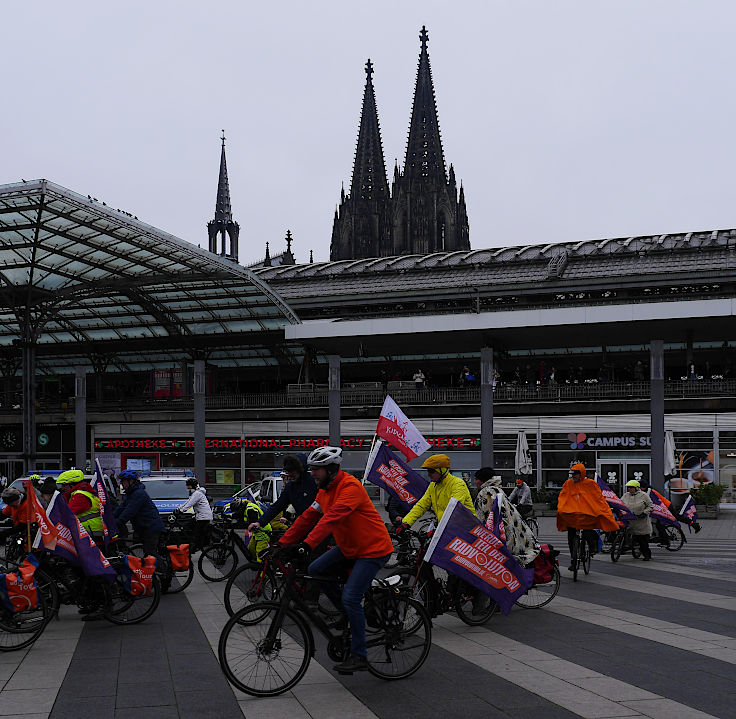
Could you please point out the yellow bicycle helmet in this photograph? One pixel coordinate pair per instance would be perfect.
(71, 476)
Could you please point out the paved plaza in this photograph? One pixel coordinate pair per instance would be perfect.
(630, 640)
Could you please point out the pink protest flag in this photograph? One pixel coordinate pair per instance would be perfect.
(397, 429)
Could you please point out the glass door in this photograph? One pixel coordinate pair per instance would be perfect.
(637, 469)
(612, 472)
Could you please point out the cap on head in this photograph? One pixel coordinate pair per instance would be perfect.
(11, 494)
(47, 486)
(633, 483)
(71, 476)
(436, 461)
(484, 474)
(519, 481)
(578, 467)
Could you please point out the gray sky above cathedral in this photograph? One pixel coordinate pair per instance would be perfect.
(564, 120)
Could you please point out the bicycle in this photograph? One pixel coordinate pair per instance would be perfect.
(440, 592)
(266, 647)
(178, 532)
(218, 561)
(623, 541)
(19, 628)
(581, 555)
(675, 538)
(530, 520)
(539, 595)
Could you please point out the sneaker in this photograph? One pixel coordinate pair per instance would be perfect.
(571, 568)
(697, 527)
(353, 663)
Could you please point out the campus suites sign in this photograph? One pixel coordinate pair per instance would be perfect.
(580, 440)
(231, 444)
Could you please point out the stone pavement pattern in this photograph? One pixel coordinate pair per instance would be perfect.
(629, 640)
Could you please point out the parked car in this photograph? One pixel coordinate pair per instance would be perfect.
(264, 492)
(167, 492)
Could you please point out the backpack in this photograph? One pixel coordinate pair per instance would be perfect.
(544, 564)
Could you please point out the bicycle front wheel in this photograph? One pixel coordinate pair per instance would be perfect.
(20, 628)
(617, 546)
(676, 537)
(127, 608)
(585, 556)
(575, 559)
(249, 584)
(472, 608)
(217, 562)
(398, 636)
(181, 578)
(262, 655)
(533, 526)
(540, 594)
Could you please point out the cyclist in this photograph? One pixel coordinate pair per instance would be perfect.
(83, 501)
(251, 514)
(343, 508)
(521, 496)
(299, 491)
(138, 508)
(661, 533)
(581, 506)
(443, 486)
(641, 507)
(202, 513)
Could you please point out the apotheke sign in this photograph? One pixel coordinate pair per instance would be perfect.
(175, 444)
(580, 440)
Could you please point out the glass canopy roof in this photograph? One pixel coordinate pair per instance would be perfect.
(91, 280)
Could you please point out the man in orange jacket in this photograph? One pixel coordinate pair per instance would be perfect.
(344, 509)
(581, 506)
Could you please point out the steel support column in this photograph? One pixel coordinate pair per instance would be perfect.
(539, 458)
(80, 417)
(29, 402)
(200, 392)
(333, 396)
(486, 407)
(716, 456)
(656, 361)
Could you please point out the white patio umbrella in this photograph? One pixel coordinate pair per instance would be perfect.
(522, 460)
(670, 453)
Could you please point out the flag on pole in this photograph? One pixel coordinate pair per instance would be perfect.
(47, 533)
(614, 501)
(464, 547)
(660, 511)
(398, 430)
(689, 510)
(397, 478)
(109, 523)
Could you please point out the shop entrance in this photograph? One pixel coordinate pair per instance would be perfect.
(616, 471)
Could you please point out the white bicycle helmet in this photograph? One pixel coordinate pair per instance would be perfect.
(322, 456)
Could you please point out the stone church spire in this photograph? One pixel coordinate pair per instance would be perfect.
(223, 227)
(361, 227)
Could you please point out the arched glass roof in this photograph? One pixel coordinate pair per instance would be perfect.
(81, 274)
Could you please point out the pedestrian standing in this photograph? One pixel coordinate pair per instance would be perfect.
(641, 507)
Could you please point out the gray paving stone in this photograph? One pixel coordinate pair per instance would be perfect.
(75, 707)
(145, 694)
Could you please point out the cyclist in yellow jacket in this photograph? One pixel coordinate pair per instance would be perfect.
(443, 486)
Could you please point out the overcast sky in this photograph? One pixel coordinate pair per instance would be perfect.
(565, 120)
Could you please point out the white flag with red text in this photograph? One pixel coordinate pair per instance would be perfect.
(398, 430)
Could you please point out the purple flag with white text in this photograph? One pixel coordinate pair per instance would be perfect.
(396, 477)
(614, 501)
(109, 523)
(661, 513)
(689, 510)
(464, 547)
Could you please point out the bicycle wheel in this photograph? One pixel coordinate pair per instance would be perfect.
(127, 608)
(400, 641)
(47, 587)
(260, 665)
(676, 537)
(533, 526)
(129, 546)
(575, 559)
(541, 594)
(585, 556)
(181, 579)
(249, 584)
(217, 562)
(617, 546)
(21, 628)
(473, 610)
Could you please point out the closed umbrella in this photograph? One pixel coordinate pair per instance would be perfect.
(522, 460)
(670, 454)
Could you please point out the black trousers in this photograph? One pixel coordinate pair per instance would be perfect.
(201, 534)
(589, 535)
(643, 541)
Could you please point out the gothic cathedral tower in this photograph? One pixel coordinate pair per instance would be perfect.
(223, 227)
(361, 227)
(423, 212)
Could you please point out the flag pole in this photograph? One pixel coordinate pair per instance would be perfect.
(29, 489)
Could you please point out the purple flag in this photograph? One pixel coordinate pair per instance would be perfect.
(463, 546)
(74, 542)
(615, 502)
(689, 510)
(109, 523)
(660, 511)
(396, 477)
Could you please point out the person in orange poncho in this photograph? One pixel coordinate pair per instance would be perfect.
(581, 506)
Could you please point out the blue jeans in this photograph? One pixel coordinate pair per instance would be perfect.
(351, 601)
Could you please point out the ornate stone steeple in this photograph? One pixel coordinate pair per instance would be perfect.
(361, 227)
(427, 216)
(223, 227)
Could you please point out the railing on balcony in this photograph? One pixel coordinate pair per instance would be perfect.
(371, 394)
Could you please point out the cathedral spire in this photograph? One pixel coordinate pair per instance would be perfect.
(223, 225)
(425, 160)
(369, 170)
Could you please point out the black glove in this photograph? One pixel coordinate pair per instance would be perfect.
(297, 551)
(177, 512)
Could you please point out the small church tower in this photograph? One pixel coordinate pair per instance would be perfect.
(223, 227)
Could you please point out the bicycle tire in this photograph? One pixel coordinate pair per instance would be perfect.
(540, 595)
(400, 643)
(127, 608)
(249, 584)
(217, 562)
(617, 546)
(676, 537)
(533, 526)
(181, 579)
(586, 556)
(242, 639)
(575, 559)
(464, 608)
(47, 586)
(19, 630)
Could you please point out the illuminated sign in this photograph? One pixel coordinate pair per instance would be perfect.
(214, 444)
